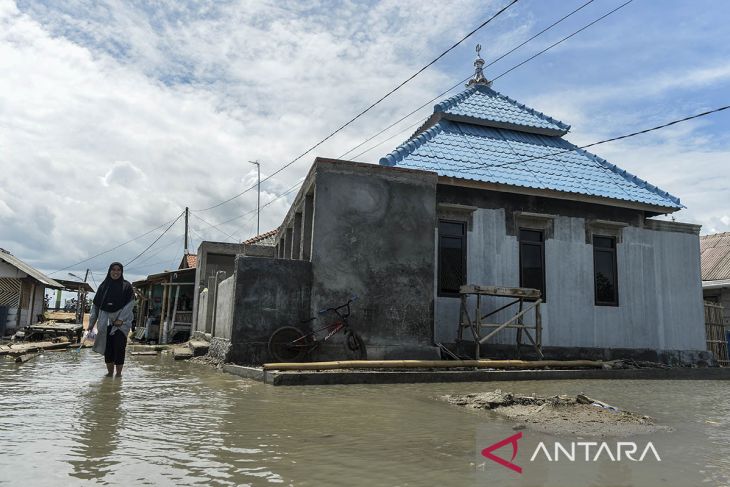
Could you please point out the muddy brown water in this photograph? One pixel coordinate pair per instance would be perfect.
(179, 423)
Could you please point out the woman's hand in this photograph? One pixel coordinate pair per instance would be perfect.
(118, 322)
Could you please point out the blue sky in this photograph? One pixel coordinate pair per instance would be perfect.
(117, 115)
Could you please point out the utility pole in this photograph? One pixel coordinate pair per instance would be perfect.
(258, 200)
(187, 211)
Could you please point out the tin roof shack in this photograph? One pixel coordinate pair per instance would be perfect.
(165, 307)
(486, 192)
(716, 271)
(22, 293)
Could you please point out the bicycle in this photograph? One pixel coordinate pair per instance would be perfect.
(289, 343)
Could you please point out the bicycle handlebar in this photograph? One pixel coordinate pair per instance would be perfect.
(346, 305)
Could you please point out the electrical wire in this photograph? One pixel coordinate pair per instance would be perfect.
(466, 79)
(115, 248)
(363, 112)
(215, 227)
(158, 238)
(563, 39)
(605, 141)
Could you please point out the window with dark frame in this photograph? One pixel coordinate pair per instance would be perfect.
(605, 271)
(532, 260)
(451, 257)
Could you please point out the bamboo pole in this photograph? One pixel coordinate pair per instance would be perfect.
(434, 364)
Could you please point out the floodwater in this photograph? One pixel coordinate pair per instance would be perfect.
(179, 423)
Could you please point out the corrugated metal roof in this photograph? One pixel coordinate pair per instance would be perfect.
(484, 106)
(715, 254)
(521, 159)
(32, 272)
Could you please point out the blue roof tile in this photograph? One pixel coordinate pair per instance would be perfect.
(523, 159)
(484, 106)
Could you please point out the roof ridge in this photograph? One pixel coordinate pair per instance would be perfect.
(410, 145)
(451, 101)
(557, 122)
(628, 176)
(716, 235)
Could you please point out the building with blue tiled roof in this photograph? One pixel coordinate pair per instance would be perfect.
(486, 193)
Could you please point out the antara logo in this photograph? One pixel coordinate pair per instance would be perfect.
(589, 451)
(512, 440)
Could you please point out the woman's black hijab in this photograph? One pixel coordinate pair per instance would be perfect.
(113, 294)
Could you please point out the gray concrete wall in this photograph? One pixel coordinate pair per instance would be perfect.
(660, 305)
(212, 257)
(373, 237)
(224, 308)
(269, 293)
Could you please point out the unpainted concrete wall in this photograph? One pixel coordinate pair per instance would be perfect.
(224, 308)
(660, 304)
(373, 237)
(269, 293)
(202, 310)
(212, 257)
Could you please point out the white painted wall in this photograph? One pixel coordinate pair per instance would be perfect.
(660, 291)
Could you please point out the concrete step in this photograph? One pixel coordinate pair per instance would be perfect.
(182, 353)
(198, 347)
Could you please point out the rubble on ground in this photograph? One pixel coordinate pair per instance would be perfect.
(561, 414)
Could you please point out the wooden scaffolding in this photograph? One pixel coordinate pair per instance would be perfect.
(527, 300)
(715, 331)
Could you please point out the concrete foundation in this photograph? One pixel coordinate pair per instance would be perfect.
(415, 377)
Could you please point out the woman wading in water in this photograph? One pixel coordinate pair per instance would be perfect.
(112, 315)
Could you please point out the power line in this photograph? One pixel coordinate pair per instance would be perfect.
(363, 112)
(466, 79)
(409, 127)
(158, 238)
(279, 196)
(563, 39)
(612, 139)
(114, 248)
(216, 227)
(158, 252)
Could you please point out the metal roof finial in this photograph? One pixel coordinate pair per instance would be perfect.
(479, 78)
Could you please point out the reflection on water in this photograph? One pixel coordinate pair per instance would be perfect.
(97, 433)
(175, 423)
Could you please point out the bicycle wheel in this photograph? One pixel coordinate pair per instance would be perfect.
(282, 344)
(355, 346)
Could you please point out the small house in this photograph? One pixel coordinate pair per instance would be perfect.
(22, 293)
(487, 192)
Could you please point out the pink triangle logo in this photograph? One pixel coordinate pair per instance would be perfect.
(512, 440)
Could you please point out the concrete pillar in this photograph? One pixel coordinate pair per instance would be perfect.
(219, 277)
(210, 306)
(307, 227)
(296, 248)
(288, 243)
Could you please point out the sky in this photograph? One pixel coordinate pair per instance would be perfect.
(116, 115)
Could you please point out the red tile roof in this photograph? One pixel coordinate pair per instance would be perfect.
(189, 261)
(263, 239)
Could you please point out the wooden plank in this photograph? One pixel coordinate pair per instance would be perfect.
(21, 359)
(435, 364)
(510, 321)
(151, 352)
(31, 347)
(516, 292)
